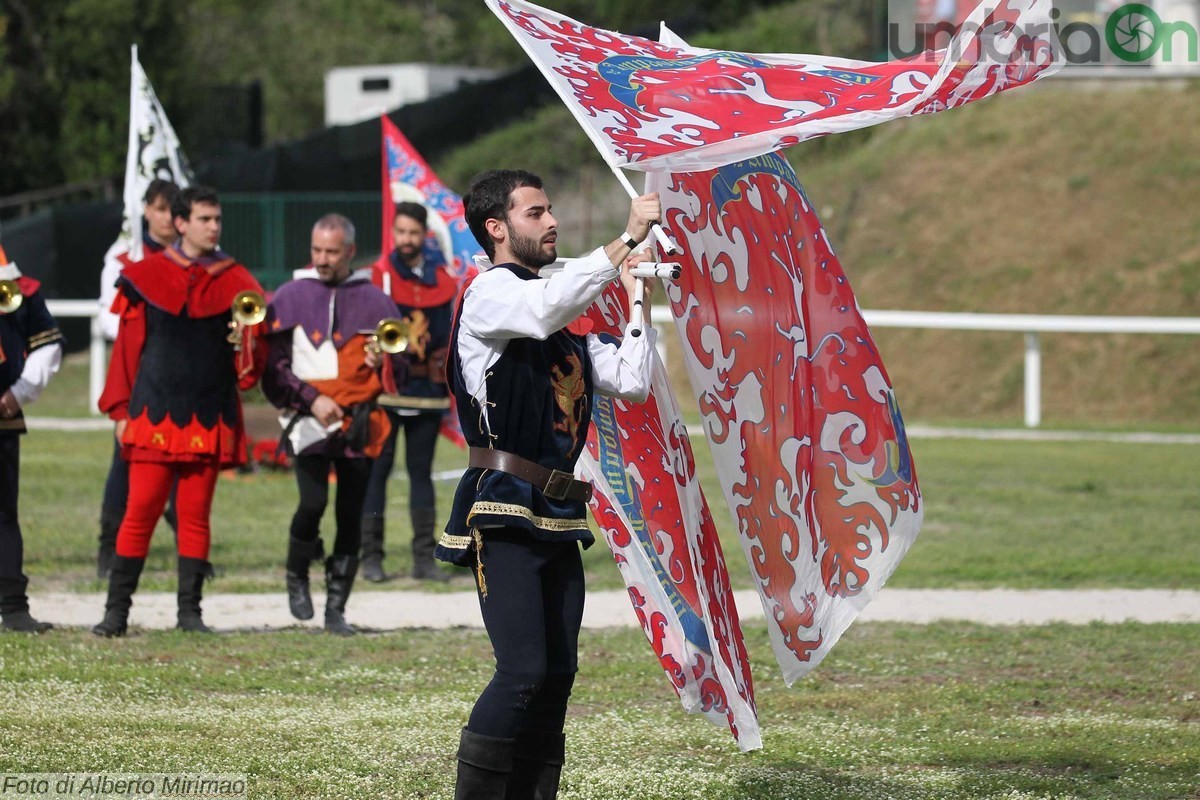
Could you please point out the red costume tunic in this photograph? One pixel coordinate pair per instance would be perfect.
(174, 376)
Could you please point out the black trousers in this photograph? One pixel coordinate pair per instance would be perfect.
(116, 485)
(532, 612)
(12, 546)
(420, 441)
(312, 477)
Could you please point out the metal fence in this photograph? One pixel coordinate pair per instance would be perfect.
(269, 233)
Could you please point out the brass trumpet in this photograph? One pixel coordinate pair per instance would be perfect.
(10, 297)
(390, 336)
(249, 308)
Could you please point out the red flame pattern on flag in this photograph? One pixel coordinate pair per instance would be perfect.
(800, 415)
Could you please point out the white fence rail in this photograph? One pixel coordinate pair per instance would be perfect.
(1032, 325)
(97, 358)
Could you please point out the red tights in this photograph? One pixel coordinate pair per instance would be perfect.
(149, 486)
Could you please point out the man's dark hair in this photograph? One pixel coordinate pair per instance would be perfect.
(413, 211)
(181, 206)
(160, 187)
(490, 197)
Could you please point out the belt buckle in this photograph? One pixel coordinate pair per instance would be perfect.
(557, 485)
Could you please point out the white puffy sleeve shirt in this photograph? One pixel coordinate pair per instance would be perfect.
(499, 306)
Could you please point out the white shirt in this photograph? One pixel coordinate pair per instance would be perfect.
(499, 306)
(109, 321)
(40, 365)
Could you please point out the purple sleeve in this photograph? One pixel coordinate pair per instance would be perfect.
(280, 385)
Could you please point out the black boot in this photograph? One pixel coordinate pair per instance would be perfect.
(484, 766)
(192, 572)
(372, 550)
(339, 579)
(300, 555)
(14, 608)
(110, 523)
(537, 764)
(423, 544)
(21, 622)
(122, 583)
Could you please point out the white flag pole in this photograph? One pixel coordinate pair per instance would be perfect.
(664, 241)
(636, 315)
(133, 212)
(635, 326)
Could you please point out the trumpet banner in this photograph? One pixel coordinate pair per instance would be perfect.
(804, 427)
(665, 106)
(653, 516)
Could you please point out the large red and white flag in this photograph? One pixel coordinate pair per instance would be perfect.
(649, 506)
(665, 106)
(154, 152)
(800, 415)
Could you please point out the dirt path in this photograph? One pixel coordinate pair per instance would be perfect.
(392, 610)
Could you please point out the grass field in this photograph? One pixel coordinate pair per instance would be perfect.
(1014, 514)
(902, 712)
(945, 712)
(997, 513)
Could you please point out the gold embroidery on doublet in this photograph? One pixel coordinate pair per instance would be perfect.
(569, 393)
(510, 510)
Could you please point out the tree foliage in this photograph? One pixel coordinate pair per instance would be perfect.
(64, 83)
(64, 64)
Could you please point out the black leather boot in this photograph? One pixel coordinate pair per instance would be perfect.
(300, 555)
(339, 579)
(537, 764)
(192, 572)
(484, 767)
(110, 523)
(372, 550)
(14, 608)
(22, 622)
(423, 545)
(122, 583)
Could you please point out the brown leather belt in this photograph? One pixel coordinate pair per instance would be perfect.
(554, 484)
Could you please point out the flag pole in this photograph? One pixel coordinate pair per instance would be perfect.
(636, 314)
(665, 241)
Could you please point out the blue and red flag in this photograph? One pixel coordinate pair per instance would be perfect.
(406, 176)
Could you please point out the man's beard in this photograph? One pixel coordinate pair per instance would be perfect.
(528, 251)
(409, 252)
(330, 274)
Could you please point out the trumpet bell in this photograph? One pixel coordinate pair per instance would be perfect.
(249, 308)
(391, 336)
(10, 297)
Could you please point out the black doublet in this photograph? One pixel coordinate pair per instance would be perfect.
(539, 404)
(185, 370)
